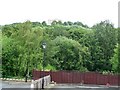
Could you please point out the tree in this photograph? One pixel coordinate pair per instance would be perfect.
(70, 23)
(70, 46)
(65, 23)
(36, 24)
(25, 50)
(54, 22)
(68, 54)
(77, 33)
(9, 53)
(80, 24)
(44, 23)
(107, 38)
(114, 59)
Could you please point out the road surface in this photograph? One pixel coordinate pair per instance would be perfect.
(12, 85)
(79, 87)
(6, 85)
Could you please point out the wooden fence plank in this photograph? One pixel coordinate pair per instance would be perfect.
(78, 77)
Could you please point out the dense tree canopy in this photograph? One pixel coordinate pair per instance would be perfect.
(69, 46)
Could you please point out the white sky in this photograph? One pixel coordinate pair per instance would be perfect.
(88, 12)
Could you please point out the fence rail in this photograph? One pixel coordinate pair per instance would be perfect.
(37, 84)
(79, 77)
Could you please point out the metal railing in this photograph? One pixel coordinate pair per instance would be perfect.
(37, 84)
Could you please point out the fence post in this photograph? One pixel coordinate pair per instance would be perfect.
(43, 83)
(32, 85)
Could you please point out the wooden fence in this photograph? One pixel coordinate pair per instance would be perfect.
(78, 77)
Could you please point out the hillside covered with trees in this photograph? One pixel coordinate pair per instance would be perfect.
(69, 46)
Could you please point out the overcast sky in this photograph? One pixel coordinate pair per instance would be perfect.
(88, 12)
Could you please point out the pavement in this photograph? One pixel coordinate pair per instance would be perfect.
(82, 87)
(12, 85)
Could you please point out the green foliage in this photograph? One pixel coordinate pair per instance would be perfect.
(67, 56)
(44, 23)
(21, 50)
(70, 46)
(50, 67)
(114, 60)
(106, 38)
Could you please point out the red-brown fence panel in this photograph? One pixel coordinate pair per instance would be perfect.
(77, 77)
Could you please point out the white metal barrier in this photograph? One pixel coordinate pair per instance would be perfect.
(37, 84)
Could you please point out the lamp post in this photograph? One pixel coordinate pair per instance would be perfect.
(44, 47)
